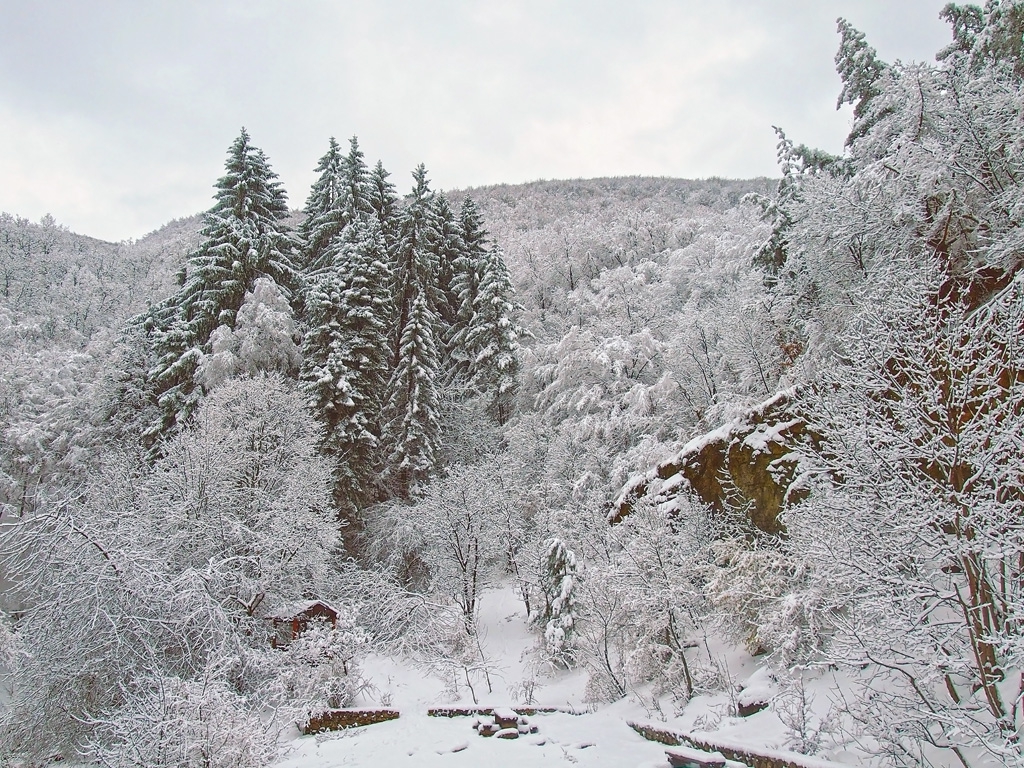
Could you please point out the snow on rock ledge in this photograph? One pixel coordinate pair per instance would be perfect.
(748, 464)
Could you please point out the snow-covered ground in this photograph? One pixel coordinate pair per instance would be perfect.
(596, 736)
(507, 642)
(598, 739)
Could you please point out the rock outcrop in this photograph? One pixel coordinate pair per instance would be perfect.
(750, 466)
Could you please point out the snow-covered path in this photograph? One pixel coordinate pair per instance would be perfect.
(593, 739)
(507, 643)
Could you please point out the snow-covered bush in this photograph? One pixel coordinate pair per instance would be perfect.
(807, 727)
(405, 622)
(167, 722)
(150, 579)
(319, 669)
(10, 647)
(457, 540)
(427, 629)
(245, 497)
(640, 605)
(765, 599)
(263, 339)
(100, 609)
(601, 630)
(662, 566)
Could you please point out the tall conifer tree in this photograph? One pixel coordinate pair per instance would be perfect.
(466, 274)
(324, 210)
(490, 343)
(244, 239)
(339, 196)
(448, 248)
(858, 65)
(348, 310)
(384, 202)
(346, 358)
(359, 185)
(469, 266)
(413, 426)
(415, 261)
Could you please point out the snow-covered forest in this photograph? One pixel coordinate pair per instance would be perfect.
(745, 457)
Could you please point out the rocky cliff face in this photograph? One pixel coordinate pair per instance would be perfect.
(750, 466)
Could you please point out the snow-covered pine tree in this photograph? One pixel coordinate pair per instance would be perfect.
(858, 65)
(384, 202)
(412, 430)
(346, 358)
(358, 184)
(797, 162)
(324, 211)
(557, 579)
(993, 34)
(465, 283)
(412, 433)
(448, 249)
(861, 71)
(468, 267)
(490, 343)
(339, 196)
(415, 264)
(244, 239)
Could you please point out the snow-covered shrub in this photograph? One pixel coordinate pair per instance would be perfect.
(160, 573)
(640, 605)
(807, 727)
(10, 647)
(662, 566)
(402, 621)
(458, 539)
(601, 635)
(765, 599)
(167, 722)
(319, 669)
(263, 339)
(427, 629)
(245, 497)
(99, 611)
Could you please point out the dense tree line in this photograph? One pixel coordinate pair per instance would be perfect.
(384, 296)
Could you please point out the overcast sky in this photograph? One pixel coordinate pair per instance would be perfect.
(115, 116)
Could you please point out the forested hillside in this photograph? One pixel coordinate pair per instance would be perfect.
(690, 424)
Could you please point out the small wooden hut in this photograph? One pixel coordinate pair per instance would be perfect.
(290, 621)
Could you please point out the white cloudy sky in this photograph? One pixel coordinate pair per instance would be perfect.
(115, 114)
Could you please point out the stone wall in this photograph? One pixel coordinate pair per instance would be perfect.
(478, 711)
(337, 719)
(754, 758)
